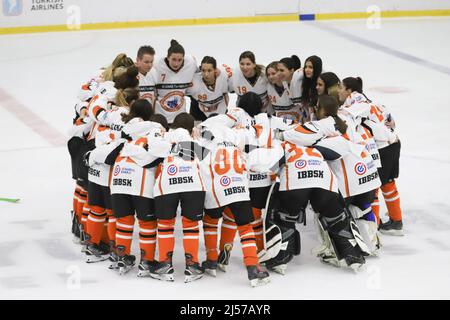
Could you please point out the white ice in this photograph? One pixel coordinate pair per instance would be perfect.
(42, 72)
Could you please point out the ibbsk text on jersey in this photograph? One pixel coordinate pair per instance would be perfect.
(234, 190)
(179, 180)
(310, 174)
(368, 178)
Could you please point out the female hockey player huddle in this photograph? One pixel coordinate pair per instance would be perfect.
(297, 140)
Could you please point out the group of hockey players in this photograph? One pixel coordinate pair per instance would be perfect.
(298, 140)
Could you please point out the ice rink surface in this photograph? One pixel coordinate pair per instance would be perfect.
(405, 65)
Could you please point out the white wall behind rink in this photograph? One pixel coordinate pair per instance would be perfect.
(40, 13)
(337, 6)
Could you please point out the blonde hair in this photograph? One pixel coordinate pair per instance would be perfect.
(334, 91)
(122, 60)
(125, 96)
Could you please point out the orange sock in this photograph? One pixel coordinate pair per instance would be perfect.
(85, 214)
(124, 233)
(191, 235)
(166, 240)
(257, 226)
(210, 226)
(111, 225)
(105, 233)
(248, 245)
(376, 206)
(82, 199)
(228, 229)
(147, 239)
(392, 199)
(95, 224)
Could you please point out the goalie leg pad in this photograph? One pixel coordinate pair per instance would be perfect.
(343, 234)
(368, 228)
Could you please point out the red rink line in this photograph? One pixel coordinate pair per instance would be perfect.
(32, 120)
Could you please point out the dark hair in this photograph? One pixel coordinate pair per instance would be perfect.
(159, 118)
(292, 62)
(210, 60)
(141, 108)
(184, 120)
(329, 79)
(309, 91)
(330, 105)
(251, 103)
(354, 84)
(128, 79)
(145, 50)
(251, 56)
(175, 47)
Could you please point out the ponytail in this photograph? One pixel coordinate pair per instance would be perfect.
(122, 60)
(292, 62)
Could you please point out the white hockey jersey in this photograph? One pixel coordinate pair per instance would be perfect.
(282, 105)
(257, 131)
(171, 86)
(224, 168)
(99, 173)
(210, 100)
(239, 84)
(353, 166)
(177, 173)
(135, 167)
(297, 167)
(88, 88)
(369, 121)
(146, 88)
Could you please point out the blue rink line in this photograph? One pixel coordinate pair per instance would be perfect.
(376, 46)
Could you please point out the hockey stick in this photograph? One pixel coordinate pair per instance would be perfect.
(9, 200)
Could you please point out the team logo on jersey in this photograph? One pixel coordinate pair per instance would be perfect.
(300, 164)
(225, 181)
(116, 170)
(172, 169)
(172, 101)
(360, 168)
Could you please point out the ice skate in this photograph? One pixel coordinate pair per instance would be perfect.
(354, 259)
(224, 257)
(257, 276)
(126, 263)
(145, 267)
(279, 263)
(210, 267)
(163, 271)
(114, 261)
(96, 252)
(113, 258)
(393, 228)
(193, 270)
